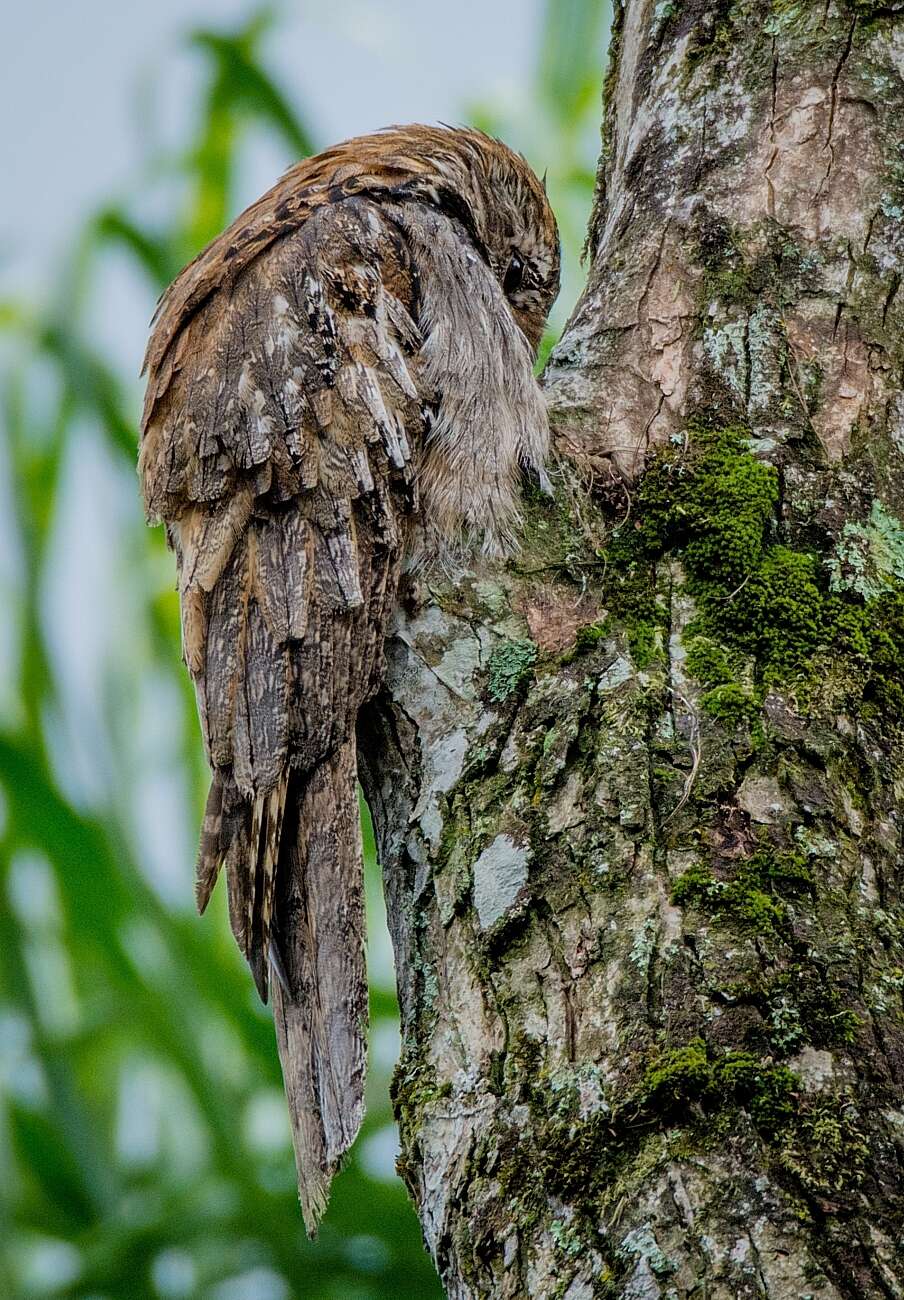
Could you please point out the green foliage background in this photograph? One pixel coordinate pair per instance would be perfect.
(144, 1149)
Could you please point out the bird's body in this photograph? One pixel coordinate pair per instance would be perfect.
(339, 385)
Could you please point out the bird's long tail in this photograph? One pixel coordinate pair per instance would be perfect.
(320, 993)
(295, 874)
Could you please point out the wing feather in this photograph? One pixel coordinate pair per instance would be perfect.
(285, 572)
(223, 658)
(260, 731)
(277, 441)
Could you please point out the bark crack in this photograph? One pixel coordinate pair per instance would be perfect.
(891, 295)
(833, 105)
(770, 188)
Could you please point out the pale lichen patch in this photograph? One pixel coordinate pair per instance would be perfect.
(618, 672)
(870, 556)
(815, 1068)
(762, 799)
(500, 873)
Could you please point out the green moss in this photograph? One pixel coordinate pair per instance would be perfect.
(587, 639)
(644, 642)
(692, 1075)
(730, 704)
(731, 281)
(766, 1091)
(716, 505)
(714, 502)
(812, 380)
(759, 600)
(729, 700)
(710, 45)
(679, 1077)
(630, 594)
(871, 8)
(753, 898)
(685, 1097)
(708, 661)
(802, 1004)
(742, 901)
(883, 692)
(758, 267)
(782, 618)
(827, 1151)
(511, 664)
(787, 15)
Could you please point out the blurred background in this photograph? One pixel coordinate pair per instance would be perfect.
(144, 1144)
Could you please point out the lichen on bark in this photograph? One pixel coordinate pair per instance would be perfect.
(637, 794)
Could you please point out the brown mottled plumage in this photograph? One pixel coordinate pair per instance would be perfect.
(340, 383)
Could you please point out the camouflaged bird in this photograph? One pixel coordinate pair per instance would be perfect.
(340, 385)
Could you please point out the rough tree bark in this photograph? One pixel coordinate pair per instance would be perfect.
(637, 796)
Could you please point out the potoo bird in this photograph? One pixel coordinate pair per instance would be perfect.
(339, 387)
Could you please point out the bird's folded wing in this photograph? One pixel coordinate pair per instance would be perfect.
(281, 416)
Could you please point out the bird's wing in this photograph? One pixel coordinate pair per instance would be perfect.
(279, 423)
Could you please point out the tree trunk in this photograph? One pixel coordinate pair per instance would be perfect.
(636, 796)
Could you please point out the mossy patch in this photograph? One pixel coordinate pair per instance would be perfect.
(746, 269)
(802, 1004)
(586, 640)
(692, 1075)
(872, 8)
(730, 704)
(713, 504)
(714, 501)
(783, 616)
(686, 1095)
(678, 1087)
(630, 595)
(754, 896)
(827, 1150)
(882, 628)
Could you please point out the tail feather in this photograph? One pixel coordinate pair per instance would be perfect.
(246, 837)
(209, 851)
(321, 1027)
(240, 864)
(295, 876)
(266, 831)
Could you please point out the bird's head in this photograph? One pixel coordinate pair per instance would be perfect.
(481, 182)
(491, 190)
(513, 224)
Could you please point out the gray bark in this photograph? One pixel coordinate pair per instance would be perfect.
(637, 795)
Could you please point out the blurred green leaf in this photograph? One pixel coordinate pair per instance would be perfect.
(151, 252)
(572, 54)
(242, 80)
(240, 93)
(92, 383)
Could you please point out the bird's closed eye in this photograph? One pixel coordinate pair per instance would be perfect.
(514, 275)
